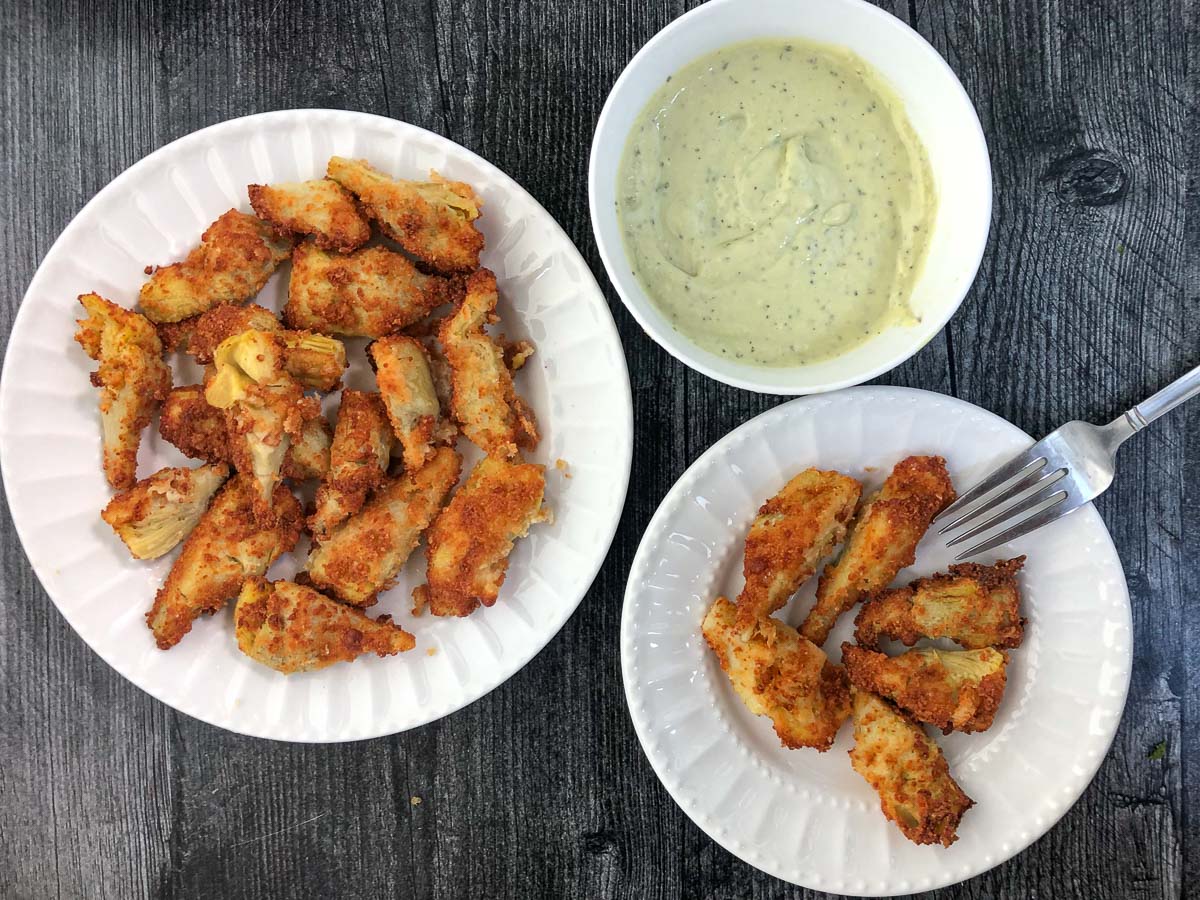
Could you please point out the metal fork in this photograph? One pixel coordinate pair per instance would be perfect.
(1057, 475)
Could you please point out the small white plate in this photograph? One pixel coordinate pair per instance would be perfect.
(50, 435)
(807, 817)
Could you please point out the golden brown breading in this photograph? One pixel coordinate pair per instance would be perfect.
(362, 444)
(883, 540)
(956, 690)
(432, 220)
(132, 377)
(365, 553)
(198, 430)
(907, 770)
(789, 537)
(225, 548)
(308, 456)
(781, 675)
(235, 257)
(469, 542)
(210, 329)
(976, 606)
(160, 511)
(405, 378)
(317, 361)
(370, 293)
(194, 427)
(483, 401)
(293, 628)
(176, 336)
(265, 407)
(322, 208)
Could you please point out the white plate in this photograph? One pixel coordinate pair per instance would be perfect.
(50, 435)
(807, 817)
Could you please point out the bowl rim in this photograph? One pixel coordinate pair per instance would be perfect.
(782, 379)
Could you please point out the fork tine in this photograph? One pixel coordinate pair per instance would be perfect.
(1032, 479)
(1032, 523)
(1033, 501)
(1014, 467)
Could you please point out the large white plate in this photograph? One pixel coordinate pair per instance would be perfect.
(50, 436)
(808, 817)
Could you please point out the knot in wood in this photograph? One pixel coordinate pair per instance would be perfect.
(1089, 178)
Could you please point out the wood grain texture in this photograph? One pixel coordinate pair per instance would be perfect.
(1086, 301)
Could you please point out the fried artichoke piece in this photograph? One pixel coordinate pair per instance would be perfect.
(293, 628)
(132, 377)
(160, 511)
(235, 257)
(210, 329)
(906, 768)
(362, 445)
(483, 399)
(317, 361)
(364, 554)
(883, 540)
(789, 537)
(471, 539)
(225, 548)
(308, 456)
(405, 378)
(975, 606)
(371, 293)
(264, 407)
(432, 220)
(780, 675)
(322, 208)
(955, 690)
(199, 430)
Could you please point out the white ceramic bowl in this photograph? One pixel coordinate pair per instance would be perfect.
(940, 112)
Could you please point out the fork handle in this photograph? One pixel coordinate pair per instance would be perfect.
(1181, 389)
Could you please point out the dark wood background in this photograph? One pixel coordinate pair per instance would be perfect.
(1086, 301)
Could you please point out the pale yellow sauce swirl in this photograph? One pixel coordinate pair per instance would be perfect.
(775, 203)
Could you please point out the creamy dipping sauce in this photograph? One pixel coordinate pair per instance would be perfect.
(775, 203)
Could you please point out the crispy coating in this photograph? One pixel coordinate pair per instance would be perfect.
(308, 456)
(322, 208)
(176, 336)
(405, 377)
(975, 606)
(132, 378)
(907, 770)
(198, 430)
(293, 628)
(316, 361)
(362, 445)
(781, 675)
(160, 511)
(469, 543)
(956, 690)
(364, 554)
(789, 537)
(883, 540)
(235, 257)
(210, 329)
(225, 548)
(264, 408)
(483, 400)
(433, 220)
(370, 293)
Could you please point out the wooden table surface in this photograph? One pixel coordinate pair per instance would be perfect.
(1086, 301)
